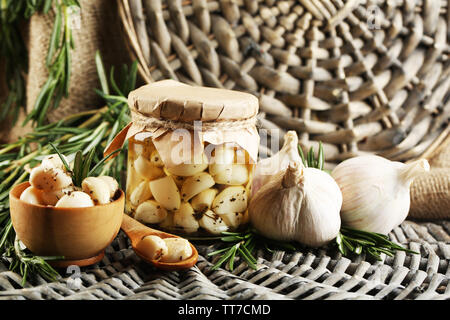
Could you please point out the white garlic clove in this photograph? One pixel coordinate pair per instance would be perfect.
(146, 169)
(236, 175)
(141, 193)
(212, 223)
(150, 212)
(203, 201)
(178, 250)
(54, 161)
(221, 160)
(49, 179)
(97, 189)
(196, 184)
(231, 199)
(189, 169)
(233, 220)
(32, 195)
(76, 199)
(152, 247)
(167, 223)
(179, 180)
(112, 184)
(165, 191)
(50, 198)
(185, 219)
(155, 159)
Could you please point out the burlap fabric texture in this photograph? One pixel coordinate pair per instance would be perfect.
(430, 192)
(99, 29)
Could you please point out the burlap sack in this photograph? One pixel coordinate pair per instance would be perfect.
(430, 192)
(99, 29)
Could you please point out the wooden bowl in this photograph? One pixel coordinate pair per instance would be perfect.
(75, 233)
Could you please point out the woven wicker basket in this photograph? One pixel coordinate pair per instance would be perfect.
(360, 76)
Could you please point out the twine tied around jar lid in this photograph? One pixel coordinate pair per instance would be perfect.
(150, 123)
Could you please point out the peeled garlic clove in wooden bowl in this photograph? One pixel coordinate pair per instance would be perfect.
(77, 233)
(376, 191)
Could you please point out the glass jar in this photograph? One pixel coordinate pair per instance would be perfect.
(202, 184)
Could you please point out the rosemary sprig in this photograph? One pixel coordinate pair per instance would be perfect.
(78, 132)
(312, 161)
(82, 166)
(371, 243)
(244, 244)
(14, 52)
(58, 62)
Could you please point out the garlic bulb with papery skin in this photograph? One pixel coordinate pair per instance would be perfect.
(267, 167)
(376, 191)
(300, 204)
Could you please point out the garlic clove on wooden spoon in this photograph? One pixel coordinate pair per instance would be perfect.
(376, 191)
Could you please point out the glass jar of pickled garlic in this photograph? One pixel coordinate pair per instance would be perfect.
(191, 157)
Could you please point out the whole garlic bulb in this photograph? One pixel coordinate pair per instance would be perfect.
(376, 191)
(300, 204)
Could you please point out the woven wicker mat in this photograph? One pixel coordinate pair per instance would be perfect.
(310, 274)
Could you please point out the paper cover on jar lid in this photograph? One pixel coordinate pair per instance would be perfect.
(161, 107)
(172, 100)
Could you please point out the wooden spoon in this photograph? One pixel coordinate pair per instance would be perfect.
(136, 231)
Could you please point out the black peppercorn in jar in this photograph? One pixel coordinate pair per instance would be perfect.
(192, 152)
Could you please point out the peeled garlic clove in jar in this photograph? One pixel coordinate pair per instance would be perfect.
(151, 212)
(178, 249)
(141, 193)
(152, 247)
(196, 184)
(212, 223)
(76, 199)
(221, 160)
(97, 189)
(165, 191)
(50, 198)
(49, 179)
(203, 201)
(179, 180)
(184, 218)
(237, 174)
(231, 199)
(146, 169)
(32, 195)
(155, 159)
(233, 220)
(167, 223)
(189, 169)
(112, 184)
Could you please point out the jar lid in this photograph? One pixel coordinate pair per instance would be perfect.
(176, 101)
